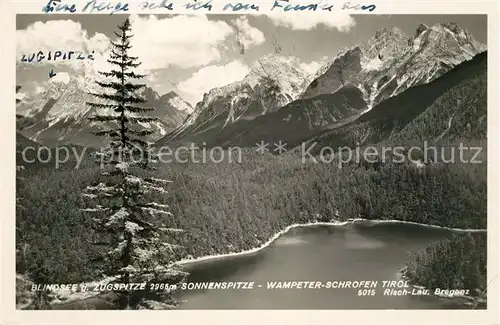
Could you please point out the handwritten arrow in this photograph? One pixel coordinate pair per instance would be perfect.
(51, 73)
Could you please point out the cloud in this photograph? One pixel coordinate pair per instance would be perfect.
(38, 89)
(313, 66)
(182, 41)
(185, 41)
(310, 67)
(248, 35)
(61, 77)
(209, 77)
(59, 35)
(21, 95)
(308, 20)
(214, 76)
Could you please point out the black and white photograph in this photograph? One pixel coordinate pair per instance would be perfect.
(251, 162)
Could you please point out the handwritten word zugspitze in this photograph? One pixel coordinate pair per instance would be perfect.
(56, 56)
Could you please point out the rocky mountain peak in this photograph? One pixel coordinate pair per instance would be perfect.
(170, 94)
(420, 29)
(389, 62)
(385, 43)
(350, 65)
(284, 70)
(60, 113)
(272, 82)
(174, 99)
(270, 71)
(449, 36)
(148, 93)
(385, 33)
(454, 27)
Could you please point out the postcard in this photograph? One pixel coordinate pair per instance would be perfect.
(249, 162)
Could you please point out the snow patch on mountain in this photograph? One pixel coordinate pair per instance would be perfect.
(180, 104)
(284, 70)
(390, 62)
(373, 64)
(273, 82)
(60, 113)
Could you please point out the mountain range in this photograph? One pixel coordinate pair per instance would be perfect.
(342, 92)
(359, 96)
(452, 107)
(59, 115)
(391, 62)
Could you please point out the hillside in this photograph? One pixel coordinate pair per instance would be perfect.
(272, 83)
(389, 64)
(293, 122)
(461, 91)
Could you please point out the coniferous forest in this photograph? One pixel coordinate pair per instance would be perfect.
(458, 263)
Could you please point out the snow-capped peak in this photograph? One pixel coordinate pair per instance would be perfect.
(447, 35)
(389, 62)
(285, 71)
(176, 101)
(61, 110)
(272, 82)
(420, 29)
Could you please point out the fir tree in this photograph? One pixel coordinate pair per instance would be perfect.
(133, 228)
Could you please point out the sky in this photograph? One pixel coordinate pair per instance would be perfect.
(191, 54)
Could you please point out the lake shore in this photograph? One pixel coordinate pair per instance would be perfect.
(471, 301)
(309, 224)
(79, 296)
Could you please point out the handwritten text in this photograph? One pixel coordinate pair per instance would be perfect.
(237, 6)
(195, 5)
(93, 6)
(114, 6)
(152, 5)
(56, 56)
(57, 6)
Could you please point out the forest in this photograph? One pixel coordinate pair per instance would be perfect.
(230, 207)
(455, 263)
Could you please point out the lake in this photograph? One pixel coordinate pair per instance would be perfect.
(352, 252)
(323, 254)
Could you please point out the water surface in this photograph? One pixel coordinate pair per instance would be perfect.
(370, 252)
